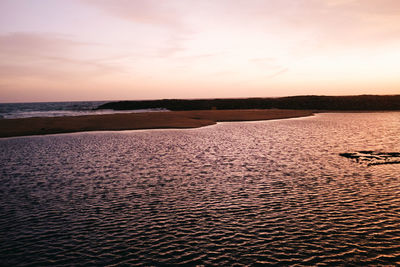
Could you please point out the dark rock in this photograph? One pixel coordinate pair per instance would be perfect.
(372, 158)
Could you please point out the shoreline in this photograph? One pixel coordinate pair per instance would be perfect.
(139, 121)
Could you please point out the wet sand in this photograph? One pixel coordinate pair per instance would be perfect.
(136, 121)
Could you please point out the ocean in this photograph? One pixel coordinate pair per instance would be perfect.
(56, 109)
(232, 194)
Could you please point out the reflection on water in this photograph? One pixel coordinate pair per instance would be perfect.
(274, 192)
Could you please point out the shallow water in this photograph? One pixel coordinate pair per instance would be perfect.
(254, 193)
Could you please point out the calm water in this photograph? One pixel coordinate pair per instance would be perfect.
(257, 193)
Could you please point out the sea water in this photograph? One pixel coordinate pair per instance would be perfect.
(245, 193)
(57, 109)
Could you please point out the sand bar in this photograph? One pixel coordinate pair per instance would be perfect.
(136, 121)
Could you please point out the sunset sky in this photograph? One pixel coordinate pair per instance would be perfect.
(63, 50)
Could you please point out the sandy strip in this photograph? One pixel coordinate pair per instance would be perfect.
(135, 121)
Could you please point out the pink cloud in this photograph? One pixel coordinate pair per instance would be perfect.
(167, 15)
(34, 43)
(153, 12)
(47, 56)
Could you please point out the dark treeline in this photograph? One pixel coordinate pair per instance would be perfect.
(361, 102)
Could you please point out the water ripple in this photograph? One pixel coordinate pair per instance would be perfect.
(261, 193)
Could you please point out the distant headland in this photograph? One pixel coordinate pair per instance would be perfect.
(196, 113)
(309, 102)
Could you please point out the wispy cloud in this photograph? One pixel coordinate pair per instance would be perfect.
(125, 44)
(328, 23)
(47, 56)
(35, 43)
(167, 15)
(154, 12)
(278, 73)
(347, 23)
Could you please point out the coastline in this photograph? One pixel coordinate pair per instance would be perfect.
(139, 121)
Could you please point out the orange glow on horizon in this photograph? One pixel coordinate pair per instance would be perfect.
(145, 49)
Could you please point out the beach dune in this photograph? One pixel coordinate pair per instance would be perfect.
(135, 121)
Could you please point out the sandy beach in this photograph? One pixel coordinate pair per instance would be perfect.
(136, 121)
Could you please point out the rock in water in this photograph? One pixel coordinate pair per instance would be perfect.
(371, 158)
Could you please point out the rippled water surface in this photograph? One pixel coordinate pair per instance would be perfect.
(258, 193)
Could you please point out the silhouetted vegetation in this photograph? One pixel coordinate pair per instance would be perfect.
(351, 103)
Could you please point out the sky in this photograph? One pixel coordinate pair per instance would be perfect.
(71, 50)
